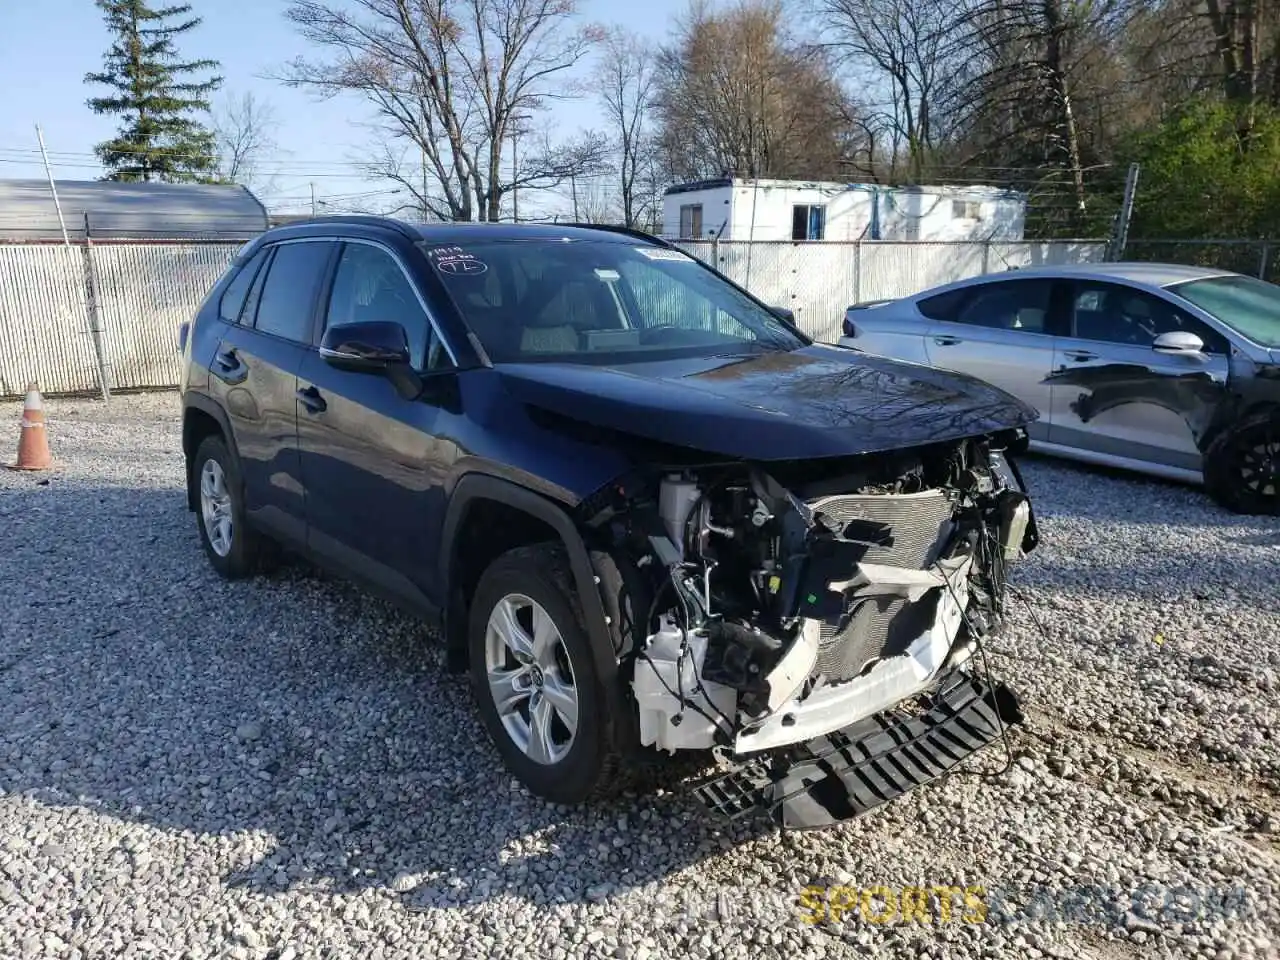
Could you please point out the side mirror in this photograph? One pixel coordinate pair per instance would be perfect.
(1178, 341)
(376, 346)
(784, 313)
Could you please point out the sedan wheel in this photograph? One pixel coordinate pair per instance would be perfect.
(531, 679)
(1242, 468)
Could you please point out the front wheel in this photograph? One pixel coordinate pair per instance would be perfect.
(1242, 466)
(534, 677)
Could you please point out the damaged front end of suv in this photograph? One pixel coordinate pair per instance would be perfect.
(793, 609)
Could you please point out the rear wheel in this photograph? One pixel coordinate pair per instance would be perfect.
(534, 677)
(1242, 466)
(233, 549)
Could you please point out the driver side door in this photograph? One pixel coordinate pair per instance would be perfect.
(373, 462)
(1113, 393)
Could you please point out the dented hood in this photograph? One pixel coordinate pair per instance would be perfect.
(818, 401)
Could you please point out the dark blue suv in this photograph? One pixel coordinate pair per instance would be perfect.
(648, 514)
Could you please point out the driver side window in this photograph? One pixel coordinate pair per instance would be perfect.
(368, 285)
(1112, 313)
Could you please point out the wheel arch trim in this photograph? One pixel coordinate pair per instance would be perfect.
(475, 487)
(207, 406)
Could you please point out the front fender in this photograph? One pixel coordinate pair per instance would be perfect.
(474, 487)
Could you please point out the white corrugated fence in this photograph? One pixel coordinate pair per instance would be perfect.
(818, 280)
(134, 296)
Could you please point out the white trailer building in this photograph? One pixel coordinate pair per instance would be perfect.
(734, 208)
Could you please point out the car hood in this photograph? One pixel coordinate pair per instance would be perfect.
(817, 401)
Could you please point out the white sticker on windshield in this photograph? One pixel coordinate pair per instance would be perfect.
(664, 253)
(608, 276)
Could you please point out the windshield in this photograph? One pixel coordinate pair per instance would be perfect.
(1243, 303)
(585, 301)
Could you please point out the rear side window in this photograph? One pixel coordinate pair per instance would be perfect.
(287, 302)
(943, 306)
(1021, 305)
(232, 303)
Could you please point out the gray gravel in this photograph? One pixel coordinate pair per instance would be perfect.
(281, 768)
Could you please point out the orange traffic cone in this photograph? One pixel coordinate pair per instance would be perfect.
(33, 444)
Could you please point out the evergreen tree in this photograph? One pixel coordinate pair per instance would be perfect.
(157, 93)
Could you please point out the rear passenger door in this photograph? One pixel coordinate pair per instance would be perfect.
(1113, 393)
(254, 372)
(1001, 331)
(374, 463)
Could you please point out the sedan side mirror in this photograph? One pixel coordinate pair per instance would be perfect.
(784, 313)
(1178, 341)
(375, 346)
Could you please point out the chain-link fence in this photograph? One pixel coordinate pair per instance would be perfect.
(72, 317)
(1257, 258)
(819, 280)
(75, 317)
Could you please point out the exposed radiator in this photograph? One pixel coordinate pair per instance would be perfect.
(918, 526)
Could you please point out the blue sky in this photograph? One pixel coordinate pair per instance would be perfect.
(47, 47)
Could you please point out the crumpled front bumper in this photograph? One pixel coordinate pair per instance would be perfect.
(842, 775)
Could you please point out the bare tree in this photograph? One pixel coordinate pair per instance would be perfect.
(909, 59)
(627, 82)
(449, 78)
(243, 136)
(1048, 88)
(737, 95)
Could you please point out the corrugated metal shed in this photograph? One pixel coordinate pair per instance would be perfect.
(129, 211)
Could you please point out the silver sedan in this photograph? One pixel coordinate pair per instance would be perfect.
(1166, 369)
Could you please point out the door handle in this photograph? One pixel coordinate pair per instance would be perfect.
(947, 341)
(230, 367)
(1080, 356)
(311, 399)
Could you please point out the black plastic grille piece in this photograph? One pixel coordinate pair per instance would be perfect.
(845, 774)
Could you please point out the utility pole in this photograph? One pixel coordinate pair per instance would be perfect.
(1121, 239)
(515, 177)
(48, 172)
(313, 198)
(516, 120)
(573, 188)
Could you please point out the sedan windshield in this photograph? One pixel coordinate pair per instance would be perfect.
(1243, 303)
(587, 301)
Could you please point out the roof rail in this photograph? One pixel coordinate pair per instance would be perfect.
(618, 228)
(367, 219)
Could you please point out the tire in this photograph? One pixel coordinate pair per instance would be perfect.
(1242, 466)
(533, 586)
(236, 552)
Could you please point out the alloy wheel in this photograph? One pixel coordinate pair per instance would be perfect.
(531, 679)
(1258, 465)
(215, 507)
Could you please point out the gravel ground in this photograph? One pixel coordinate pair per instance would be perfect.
(281, 768)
